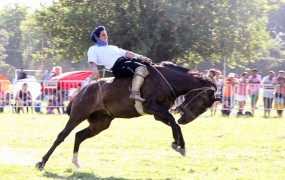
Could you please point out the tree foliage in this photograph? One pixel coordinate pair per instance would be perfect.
(3, 42)
(186, 31)
(11, 18)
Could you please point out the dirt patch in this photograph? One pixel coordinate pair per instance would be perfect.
(24, 156)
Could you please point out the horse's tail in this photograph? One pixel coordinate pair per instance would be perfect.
(68, 108)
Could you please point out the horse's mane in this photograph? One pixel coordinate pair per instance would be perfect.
(202, 77)
(173, 66)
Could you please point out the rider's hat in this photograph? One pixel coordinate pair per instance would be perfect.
(96, 32)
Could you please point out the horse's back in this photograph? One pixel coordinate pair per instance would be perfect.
(112, 95)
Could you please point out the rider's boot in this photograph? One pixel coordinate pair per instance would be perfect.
(140, 73)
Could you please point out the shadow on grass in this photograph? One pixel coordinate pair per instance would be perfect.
(79, 175)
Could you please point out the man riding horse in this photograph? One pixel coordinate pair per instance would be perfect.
(99, 103)
(122, 63)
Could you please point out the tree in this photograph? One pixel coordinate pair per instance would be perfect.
(5, 69)
(3, 42)
(11, 18)
(186, 31)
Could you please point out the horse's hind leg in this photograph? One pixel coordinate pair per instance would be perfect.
(71, 124)
(97, 124)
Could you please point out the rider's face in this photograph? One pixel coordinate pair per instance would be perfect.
(103, 36)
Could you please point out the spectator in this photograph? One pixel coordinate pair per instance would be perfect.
(23, 98)
(50, 107)
(254, 87)
(218, 94)
(56, 71)
(21, 74)
(268, 90)
(45, 75)
(211, 74)
(58, 100)
(2, 99)
(280, 74)
(280, 96)
(242, 92)
(228, 92)
(226, 108)
(74, 93)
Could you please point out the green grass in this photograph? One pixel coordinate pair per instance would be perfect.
(217, 148)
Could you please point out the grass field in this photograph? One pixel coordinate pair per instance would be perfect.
(217, 148)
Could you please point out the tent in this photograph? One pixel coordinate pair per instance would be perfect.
(70, 79)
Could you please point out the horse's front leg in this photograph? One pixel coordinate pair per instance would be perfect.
(164, 116)
(180, 146)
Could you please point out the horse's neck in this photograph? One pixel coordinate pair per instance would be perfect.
(181, 83)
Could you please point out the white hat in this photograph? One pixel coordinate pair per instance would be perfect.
(231, 75)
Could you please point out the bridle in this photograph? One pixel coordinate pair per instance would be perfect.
(201, 90)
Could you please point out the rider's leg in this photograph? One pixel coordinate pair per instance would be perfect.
(140, 73)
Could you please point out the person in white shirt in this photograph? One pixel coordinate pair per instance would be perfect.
(268, 92)
(123, 63)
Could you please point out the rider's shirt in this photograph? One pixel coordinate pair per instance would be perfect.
(105, 55)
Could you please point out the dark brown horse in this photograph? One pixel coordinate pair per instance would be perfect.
(106, 99)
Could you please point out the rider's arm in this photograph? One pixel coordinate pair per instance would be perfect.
(131, 55)
(93, 68)
(92, 60)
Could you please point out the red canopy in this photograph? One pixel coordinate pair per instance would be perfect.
(70, 79)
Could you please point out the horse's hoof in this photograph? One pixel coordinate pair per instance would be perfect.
(174, 146)
(182, 151)
(40, 166)
(76, 165)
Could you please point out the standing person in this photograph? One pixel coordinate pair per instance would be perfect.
(268, 90)
(22, 74)
(45, 75)
(228, 92)
(23, 97)
(280, 96)
(254, 86)
(211, 74)
(280, 74)
(56, 71)
(123, 63)
(2, 98)
(58, 100)
(242, 92)
(218, 94)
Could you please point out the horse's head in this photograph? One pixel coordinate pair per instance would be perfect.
(197, 101)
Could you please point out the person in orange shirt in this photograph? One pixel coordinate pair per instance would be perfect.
(229, 90)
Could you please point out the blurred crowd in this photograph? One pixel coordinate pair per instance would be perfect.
(248, 87)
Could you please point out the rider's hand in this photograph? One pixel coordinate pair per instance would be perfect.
(145, 59)
(95, 75)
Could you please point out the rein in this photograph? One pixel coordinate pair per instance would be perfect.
(203, 90)
(173, 92)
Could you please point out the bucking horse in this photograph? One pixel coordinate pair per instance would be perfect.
(108, 98)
